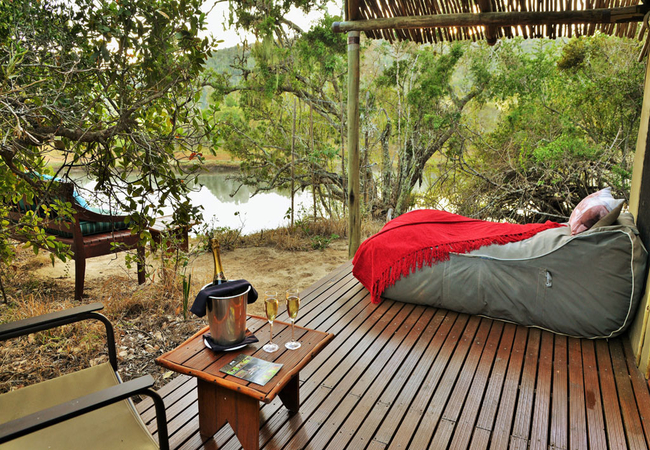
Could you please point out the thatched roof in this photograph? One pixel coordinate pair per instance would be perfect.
(447, 20)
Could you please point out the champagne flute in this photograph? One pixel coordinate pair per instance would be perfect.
(271, 305)
(293, 305)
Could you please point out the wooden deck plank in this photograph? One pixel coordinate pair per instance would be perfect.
(487, 414)
(469, 413)
(640, 387)
(170, 388)
(523, 414)
(402, 384)
(448, 416)
(542, 408)
(409, 391)
(595, 418)
(356, 405)
(340, 381)
(501, 433)
(402, 435)
(183, 385)
(432, 414)
(559, 435)
(406, 376)
(613, 419)
(466, 416)
(577, 408)
(392, 380)
(629, 411)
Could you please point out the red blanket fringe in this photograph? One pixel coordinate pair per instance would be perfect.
(422, 237)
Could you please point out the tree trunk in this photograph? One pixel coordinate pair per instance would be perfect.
(386, 166)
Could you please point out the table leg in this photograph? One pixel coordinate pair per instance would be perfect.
(290, 394)
(218, 405)
(209, 420)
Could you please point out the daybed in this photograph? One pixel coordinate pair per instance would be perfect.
(583, 285)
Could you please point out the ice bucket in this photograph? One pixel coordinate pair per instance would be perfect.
(227, 318)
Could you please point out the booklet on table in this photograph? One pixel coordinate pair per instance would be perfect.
(251, 369)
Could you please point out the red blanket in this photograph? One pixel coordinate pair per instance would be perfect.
(427, 236)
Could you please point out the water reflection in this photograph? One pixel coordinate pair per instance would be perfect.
(264, 211)
(219, 184)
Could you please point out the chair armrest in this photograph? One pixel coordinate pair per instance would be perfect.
(46, 321)
(59, 318)
(74, 408)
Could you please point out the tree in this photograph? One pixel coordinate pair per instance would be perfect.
(254, 113)
(425, 92)
(108, 87)
(567, 117)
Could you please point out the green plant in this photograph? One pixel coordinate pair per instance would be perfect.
(228, 237)
(321, 242)
(187, 285)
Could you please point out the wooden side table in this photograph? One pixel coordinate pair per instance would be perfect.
(225, 398)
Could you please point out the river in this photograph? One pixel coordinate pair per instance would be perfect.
(264, 211)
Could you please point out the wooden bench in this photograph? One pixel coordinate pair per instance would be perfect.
(89, 242)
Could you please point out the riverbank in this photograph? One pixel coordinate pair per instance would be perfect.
(220, 161)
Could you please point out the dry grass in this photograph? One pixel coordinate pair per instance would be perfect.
(306, 234)
(147, 321)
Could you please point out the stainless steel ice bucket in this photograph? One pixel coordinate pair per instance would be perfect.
(227, 318)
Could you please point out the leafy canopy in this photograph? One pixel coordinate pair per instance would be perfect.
(108, 88)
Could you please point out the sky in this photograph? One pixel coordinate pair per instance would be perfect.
(216, 21)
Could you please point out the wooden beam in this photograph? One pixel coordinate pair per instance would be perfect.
(354, 218)
(490, 31)
(640, 209)
(352, 10)
(496, 19)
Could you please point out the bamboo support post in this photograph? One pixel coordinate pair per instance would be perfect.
(354, 220)
(343, 155)
(313, 150)
(293, 155)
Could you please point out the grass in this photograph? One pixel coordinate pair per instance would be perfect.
(301, 237)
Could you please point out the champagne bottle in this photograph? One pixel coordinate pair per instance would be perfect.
(219, 276)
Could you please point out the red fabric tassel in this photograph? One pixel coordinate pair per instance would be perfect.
(427, 236)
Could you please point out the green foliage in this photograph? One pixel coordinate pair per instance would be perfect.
(253, 115)
(567, 126)
(107, 87)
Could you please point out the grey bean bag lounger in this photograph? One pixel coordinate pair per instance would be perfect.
(587, 285)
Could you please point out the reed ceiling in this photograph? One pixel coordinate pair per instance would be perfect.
(431, 21)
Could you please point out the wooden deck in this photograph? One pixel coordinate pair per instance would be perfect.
(404, 376)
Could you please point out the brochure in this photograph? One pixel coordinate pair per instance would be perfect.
(251, 369)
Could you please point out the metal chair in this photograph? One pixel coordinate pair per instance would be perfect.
(90, 408)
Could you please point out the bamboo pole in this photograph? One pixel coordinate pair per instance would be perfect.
(497, 19)
(354, 220)
(293, 157)
(343, 155)
(313, 172)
